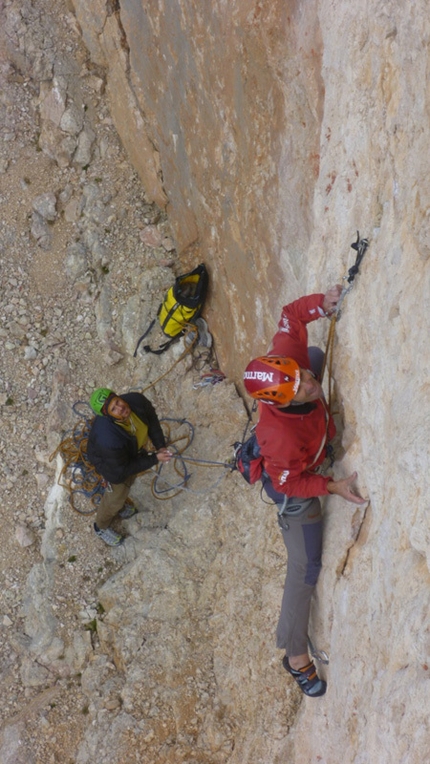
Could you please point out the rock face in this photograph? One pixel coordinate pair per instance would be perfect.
(231, 100)
(278, 133)
(271, 133)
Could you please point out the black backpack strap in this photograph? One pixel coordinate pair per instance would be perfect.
(169, 316)
(163, 347)
(143, 337)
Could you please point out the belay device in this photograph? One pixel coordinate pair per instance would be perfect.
(181, 306)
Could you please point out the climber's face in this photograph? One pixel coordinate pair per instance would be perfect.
(309, 388)
(119, 409)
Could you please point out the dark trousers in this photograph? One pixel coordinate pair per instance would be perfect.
(300, 521)
(112, 502)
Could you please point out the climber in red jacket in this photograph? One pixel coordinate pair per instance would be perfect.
(293, 433)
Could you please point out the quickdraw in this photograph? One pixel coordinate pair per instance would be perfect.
(360, 246)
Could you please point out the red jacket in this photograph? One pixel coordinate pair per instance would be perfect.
(289, 442)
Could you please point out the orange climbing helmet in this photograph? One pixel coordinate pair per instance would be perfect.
(272, 379)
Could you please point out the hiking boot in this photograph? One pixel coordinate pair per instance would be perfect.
(109, 536)
(128, 510)
(307, 678)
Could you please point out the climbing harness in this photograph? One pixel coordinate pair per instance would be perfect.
(360, 246)
(247, 458)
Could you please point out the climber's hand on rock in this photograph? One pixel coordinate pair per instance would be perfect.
(343, 488)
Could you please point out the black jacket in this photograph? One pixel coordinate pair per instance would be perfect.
(113, 451)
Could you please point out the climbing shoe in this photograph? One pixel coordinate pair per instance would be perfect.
(307, 678)
(205, 337)
(110, 537)
(128, 510)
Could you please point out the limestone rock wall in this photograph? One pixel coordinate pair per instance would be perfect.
(230, 97)
(273, 132)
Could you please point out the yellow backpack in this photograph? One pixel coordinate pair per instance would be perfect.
(182, 304)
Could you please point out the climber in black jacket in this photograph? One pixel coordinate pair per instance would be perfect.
(117, 449)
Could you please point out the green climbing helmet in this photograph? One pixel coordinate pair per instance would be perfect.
(99, 398)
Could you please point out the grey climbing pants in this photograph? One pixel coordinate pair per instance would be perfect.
(112, 502)
(300, 521)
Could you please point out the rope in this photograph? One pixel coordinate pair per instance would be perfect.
(200, 359)
(360, 245)
(328, 359)
(189, 330)
(179, 465)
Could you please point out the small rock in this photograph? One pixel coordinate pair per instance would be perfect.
(32, 674)
(168, 244)
(40, 230)
(72, 211)
(112, 703)
(76, 262)
(72, 120)
(30, 353)
(42, 480)
(112, 357)
(52, 100)
(24, 536)
(45, 206)
(16, 330)
(95, 83)
(151, 236)
(83, 152)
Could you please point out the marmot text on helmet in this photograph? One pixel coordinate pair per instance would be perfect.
(272, 379)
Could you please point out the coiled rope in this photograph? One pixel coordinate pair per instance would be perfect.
(78, 476)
